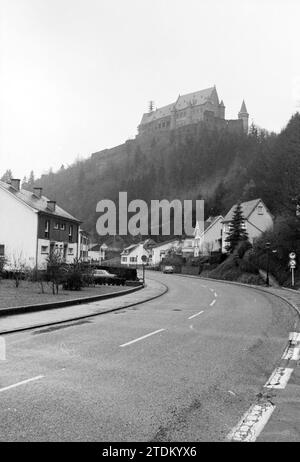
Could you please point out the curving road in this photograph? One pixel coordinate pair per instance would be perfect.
(184, 367)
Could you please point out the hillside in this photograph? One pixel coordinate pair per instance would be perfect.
(218, 166)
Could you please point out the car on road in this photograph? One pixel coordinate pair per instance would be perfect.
(168, 269)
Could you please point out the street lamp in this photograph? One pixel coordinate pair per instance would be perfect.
(268, 245)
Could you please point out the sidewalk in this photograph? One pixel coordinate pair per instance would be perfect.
(19, 322)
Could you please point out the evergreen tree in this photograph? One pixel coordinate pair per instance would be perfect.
(8, 175)
(31, 178)
(237, 232)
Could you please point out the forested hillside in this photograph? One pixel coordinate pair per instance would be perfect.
(218, 166)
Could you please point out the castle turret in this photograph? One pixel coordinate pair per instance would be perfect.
(222, 110)
(243, 114)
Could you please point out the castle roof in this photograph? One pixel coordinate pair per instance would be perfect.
(183, 101)
(243, 108)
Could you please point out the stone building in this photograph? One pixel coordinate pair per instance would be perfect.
(201, 107)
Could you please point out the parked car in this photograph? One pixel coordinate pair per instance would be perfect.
(100, 274)
(168, 269)
(104, 277)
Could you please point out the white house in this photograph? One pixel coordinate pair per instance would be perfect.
(257, 218)
(132, 255)
(208, 239)
(158, 251)
(32, 225)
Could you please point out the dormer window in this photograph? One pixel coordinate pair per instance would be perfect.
(260, 210)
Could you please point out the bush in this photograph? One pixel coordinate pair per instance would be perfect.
(73, 281)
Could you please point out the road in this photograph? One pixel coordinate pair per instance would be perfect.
(184, 367)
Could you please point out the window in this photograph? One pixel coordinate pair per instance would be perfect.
(70, 251)
(124, 259)
(44, 249)
(62, 226)
(47, 227)
(70, 233)
(133, 259)
(2, 250)
(56, 225)
(260, 210)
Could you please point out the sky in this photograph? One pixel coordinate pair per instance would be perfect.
(77, 75)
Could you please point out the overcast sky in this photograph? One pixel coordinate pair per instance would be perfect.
(76, 75)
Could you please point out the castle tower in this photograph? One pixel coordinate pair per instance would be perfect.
(243, 114)
(173, 118)
(222, 110)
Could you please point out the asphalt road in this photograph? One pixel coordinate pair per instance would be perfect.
(211, 349)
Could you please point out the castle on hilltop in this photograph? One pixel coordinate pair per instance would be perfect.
(193, 109)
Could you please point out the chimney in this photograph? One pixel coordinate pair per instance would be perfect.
(15, 183)
(37, 192)
(51, 205)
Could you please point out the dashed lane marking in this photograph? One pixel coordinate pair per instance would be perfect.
(291, 353)
(252, 423)
(141, 338)
(294, 337)
(212, 303)
(194, 315)
(279, 378)
(21, 383)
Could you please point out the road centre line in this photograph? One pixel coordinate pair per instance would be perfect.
(294, 337)
(291, 353)
(279, 378)
(212, 303)
(38, 377)
(252, 423)
(194, 315)
(141, 338)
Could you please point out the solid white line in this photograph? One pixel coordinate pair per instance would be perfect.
(279, 378)
(141, 338)
(21, 383)
(252, 423)
(212, 303)
(291, 353)
(197, 314)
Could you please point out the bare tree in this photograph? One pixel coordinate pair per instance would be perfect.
(55, 269)
(19, 268)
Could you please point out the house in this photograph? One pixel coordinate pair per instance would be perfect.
(32, 225)
(83, 245)
(158, 251)
(209, 239)
(257, 217)
(132, 255)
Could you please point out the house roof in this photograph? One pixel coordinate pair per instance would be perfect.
(196, 98)
(161, 244)
(36, 203)
(247, 209)
(211, 221)
(129, 249)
